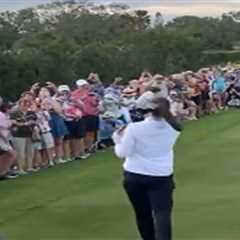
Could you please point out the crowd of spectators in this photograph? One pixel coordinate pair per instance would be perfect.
(51, 125)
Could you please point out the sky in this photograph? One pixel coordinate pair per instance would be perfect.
(169, 8)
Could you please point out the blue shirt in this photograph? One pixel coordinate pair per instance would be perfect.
(219, 84)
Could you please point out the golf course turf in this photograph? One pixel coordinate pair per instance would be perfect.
(84, 199)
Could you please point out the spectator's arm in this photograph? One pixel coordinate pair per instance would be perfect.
(57, 107)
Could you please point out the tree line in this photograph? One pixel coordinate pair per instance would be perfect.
(110, 44)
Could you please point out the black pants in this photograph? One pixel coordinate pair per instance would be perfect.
(152, 200)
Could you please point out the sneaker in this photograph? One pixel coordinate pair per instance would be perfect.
(13, 172)
(85, 156)
(101, 146)
(12, 176)
(69, 160)
(45, 166)
(61, 161)
(93, 148)
(82, 157)
(36, 169)
(8, 177)
(22, 173)
(51, 164)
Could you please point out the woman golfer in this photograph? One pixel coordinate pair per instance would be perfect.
(147, 148)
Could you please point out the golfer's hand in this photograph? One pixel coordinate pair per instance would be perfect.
(121, 130)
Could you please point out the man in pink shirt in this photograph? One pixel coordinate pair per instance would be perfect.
(90, 102)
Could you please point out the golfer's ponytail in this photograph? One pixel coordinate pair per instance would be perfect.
(163, 111)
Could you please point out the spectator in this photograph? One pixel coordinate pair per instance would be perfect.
(219, 86)
(50, 125)
(24, 121)
(73, 114)
(97, 85)
(57, 125)
(7, 154)
(90, 120)
(44, 144)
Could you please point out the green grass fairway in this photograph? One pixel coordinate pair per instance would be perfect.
(85, 200)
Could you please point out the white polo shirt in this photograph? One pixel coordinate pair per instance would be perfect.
(147, 147)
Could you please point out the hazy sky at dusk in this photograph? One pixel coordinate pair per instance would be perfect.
(167, 8)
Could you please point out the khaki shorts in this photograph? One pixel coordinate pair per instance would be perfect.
(46, 142)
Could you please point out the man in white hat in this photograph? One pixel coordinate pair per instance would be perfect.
(81, 83)
(63, 88)
(90, 102)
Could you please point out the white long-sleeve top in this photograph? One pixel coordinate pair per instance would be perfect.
(147, 147)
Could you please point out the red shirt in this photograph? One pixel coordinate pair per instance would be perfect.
(90, 101)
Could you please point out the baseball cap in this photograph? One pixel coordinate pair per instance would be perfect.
(146, 101)
(63, 88)
(173, 93)
(81, 82)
